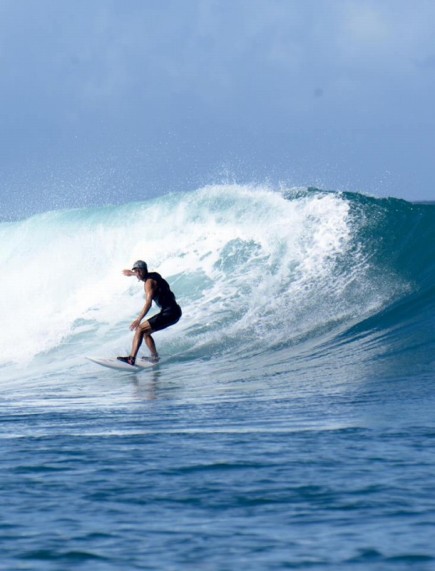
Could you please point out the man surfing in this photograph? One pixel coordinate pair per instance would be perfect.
(156, 289)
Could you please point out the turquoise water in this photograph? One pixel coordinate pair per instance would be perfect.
(290, 424)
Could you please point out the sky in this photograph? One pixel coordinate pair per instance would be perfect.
(109, 101)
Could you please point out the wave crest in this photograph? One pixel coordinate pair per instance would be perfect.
(252, 268)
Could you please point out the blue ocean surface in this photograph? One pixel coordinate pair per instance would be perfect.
(290, 423)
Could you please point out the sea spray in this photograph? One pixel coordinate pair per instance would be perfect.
(253, 268)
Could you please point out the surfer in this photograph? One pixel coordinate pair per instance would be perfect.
(156, 289)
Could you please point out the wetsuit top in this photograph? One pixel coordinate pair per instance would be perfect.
(163, 296)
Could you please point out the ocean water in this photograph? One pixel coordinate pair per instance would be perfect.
(290, 424)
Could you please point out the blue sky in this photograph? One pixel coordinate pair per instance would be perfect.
(106, 101)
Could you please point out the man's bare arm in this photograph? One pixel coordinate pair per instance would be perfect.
(150, 290)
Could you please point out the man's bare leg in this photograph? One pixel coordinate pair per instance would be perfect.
(151, 346)
(142, 331)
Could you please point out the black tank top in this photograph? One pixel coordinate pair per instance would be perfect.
(163, 296)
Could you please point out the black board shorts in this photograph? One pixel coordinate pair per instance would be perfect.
(168, 316)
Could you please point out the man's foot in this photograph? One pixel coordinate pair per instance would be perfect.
(129, 360)
(152, 359)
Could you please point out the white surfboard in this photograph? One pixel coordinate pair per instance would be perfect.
(113, 363)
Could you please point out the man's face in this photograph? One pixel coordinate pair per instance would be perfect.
(140, 274)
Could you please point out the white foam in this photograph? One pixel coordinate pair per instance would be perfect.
(247, 264)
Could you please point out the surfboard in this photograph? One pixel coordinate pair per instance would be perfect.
(113, 363)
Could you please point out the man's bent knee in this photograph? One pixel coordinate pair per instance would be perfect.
(146, 328)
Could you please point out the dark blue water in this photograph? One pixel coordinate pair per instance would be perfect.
(289, 431)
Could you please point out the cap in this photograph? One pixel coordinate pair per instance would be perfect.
(140, 265)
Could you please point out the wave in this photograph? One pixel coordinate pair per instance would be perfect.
(257, 271)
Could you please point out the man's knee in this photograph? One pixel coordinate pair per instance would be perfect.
(145, 328)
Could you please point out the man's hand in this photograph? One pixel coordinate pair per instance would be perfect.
(135, 324)
(128, 273)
